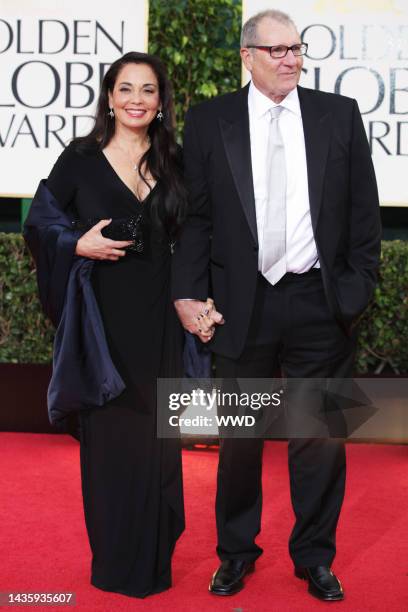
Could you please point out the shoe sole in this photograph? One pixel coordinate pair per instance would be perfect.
(302, 576)
(224, 593)
(239, 588)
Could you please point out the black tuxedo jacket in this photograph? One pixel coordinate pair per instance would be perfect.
(218, 250)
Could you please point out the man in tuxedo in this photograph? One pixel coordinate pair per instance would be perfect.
(284, 231)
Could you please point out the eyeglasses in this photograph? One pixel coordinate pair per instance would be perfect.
(279, 51)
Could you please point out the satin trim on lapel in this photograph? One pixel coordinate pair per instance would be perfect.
(317, 128)
(235, 134)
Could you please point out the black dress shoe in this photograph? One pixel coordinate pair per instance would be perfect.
(228, 579)
(323, 584)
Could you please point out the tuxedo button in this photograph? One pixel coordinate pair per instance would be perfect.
(255, 248)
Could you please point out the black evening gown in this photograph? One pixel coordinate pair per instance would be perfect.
(131, 480)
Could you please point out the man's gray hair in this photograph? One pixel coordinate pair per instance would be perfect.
(249, 35)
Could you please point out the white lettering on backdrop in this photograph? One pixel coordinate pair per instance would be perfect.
(53, 57)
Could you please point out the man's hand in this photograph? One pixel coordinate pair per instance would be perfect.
(198, 317)
(95, 246)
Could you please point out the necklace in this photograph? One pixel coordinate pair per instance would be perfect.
(135, 164)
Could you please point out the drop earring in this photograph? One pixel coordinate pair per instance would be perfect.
(111, 113)
(160, 116)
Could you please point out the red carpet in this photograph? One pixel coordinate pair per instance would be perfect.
(44, 545)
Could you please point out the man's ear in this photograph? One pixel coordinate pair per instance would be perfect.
(247, 58)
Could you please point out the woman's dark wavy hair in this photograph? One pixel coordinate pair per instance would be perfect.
(163, 158)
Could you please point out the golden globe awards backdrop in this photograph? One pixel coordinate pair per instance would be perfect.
(53, 56)
(359, 48)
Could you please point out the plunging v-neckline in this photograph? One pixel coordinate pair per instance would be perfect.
(125, 185)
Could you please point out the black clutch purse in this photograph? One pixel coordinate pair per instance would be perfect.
(128, 228)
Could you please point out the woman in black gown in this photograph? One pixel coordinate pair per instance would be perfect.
(127, 168)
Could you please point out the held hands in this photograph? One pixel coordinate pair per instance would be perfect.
(198, 317)
(95, 246)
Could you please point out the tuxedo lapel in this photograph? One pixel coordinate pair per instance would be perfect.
(317, 128)
(235, 134)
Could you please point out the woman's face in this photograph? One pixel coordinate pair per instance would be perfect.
(135, 96)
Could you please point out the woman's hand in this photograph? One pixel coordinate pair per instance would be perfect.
(95, 246)
(198, 317)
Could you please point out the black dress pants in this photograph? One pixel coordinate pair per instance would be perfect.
(291, 330)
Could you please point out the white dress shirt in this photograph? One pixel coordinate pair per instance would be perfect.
(301, 252)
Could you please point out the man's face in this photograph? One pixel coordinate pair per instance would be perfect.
(274, 77)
